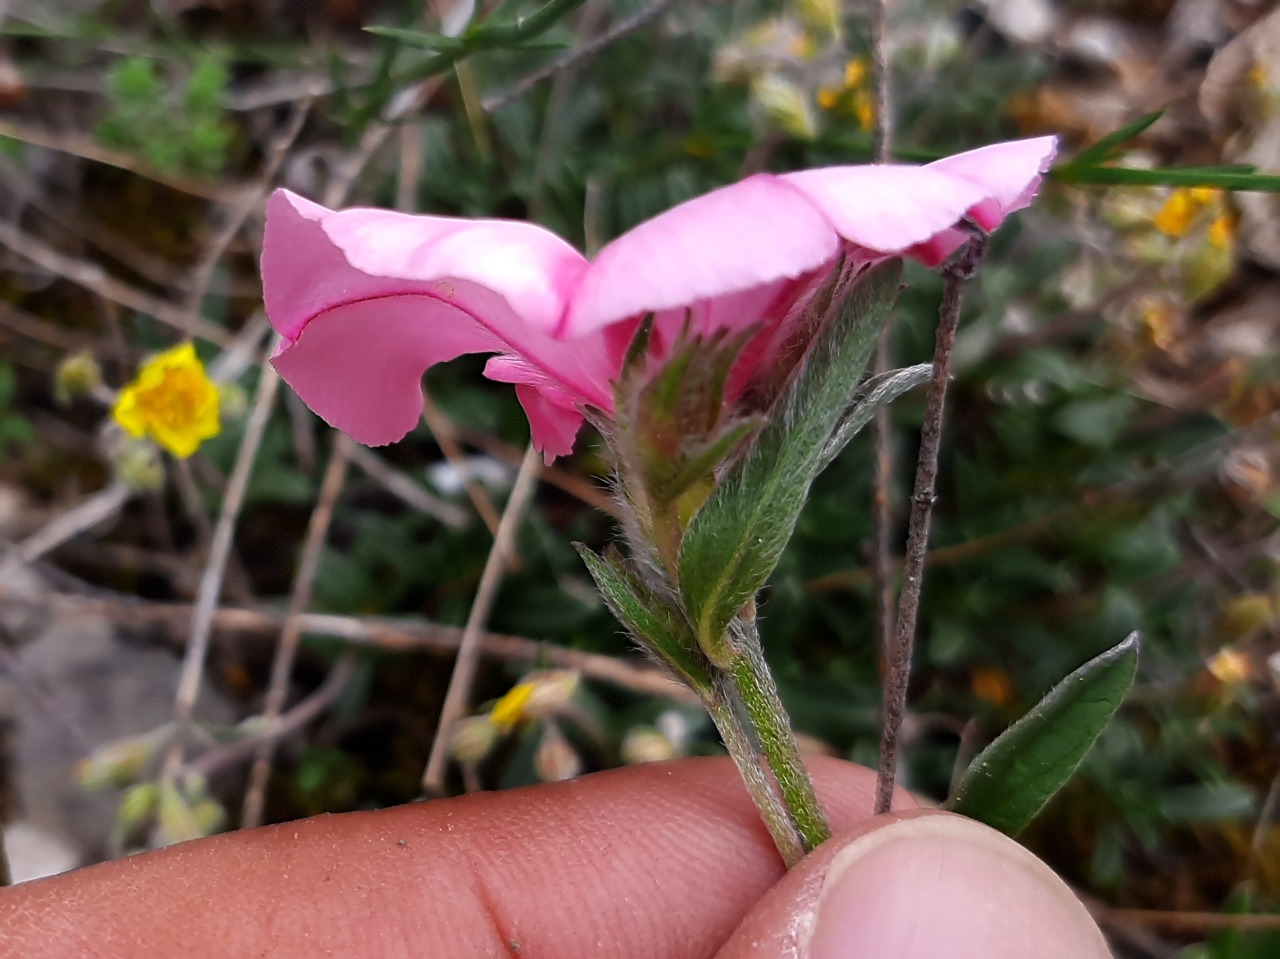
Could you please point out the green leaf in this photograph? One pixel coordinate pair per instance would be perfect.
(1102, 150)
(877, 392)
(652, 621)
(734, 541)
(1230, 179)
(419, 40)
(1011, 780)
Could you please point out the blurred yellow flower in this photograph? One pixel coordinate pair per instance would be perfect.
(1175, 216)
(1230, 667)
(1221, 232)
(1180, 209)
(508, 711)
(540, 694)
(172, 401)
(864, 109)
(854, 96)
(855, 73)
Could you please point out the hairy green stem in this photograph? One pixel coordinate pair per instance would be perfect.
(722, 705)
(759, 695)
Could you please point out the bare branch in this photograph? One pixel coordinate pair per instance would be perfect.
(299, 600)
(956, 275)
(459, 691)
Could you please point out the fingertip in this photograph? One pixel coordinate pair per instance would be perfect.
(919, 884)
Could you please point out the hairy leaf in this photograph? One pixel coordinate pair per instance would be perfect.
(650, 619)
(735, 539)
(1011, 780)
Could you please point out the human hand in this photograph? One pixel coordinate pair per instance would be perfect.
(662, 861)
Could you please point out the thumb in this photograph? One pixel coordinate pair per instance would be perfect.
(919, 885)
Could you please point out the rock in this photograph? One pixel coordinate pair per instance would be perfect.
(81, 684)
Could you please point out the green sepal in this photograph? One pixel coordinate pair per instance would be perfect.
(652, 620)
(734, 541)
(700, 464)
(1011, 780)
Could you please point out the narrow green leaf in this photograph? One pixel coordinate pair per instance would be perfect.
(520, 30)
(651, 620)
(1011, 780)
(1102, 150)
(734, 541)
(877, 392)
(1171, 176)
(419, 40)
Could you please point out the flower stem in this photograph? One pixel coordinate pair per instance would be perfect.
(722, 705)
(759, 694)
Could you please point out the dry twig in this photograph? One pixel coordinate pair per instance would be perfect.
(88, 513)
(87, 149)
(95, 279)
(956, 274)
(406, 490)
(391, 636)
(210, 588)
(442, 430)
(278, 726)
(459, 691)
(299, 600)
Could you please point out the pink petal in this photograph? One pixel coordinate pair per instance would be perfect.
(359, 366)
(528, 267)
(552, 427)
(886, 209)
(302, 272)
(368, 299)
(1007, 174)
(554, 417)
(732, 239)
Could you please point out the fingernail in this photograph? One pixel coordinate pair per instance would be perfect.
(945, 887)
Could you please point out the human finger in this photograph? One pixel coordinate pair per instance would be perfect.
(658, 861)
(919, 884)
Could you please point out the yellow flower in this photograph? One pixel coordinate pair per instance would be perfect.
(508, 711)
(864, 109)
(1181, 208)
(172, 401)
(828, 98)
(855, 73)
(1230, 667)
(1221, 232)
(1175, 216)
(540, 694)
(1259, 76)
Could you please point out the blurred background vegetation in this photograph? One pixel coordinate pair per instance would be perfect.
(1111, 461)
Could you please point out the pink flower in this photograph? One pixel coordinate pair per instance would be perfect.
(366, 299)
